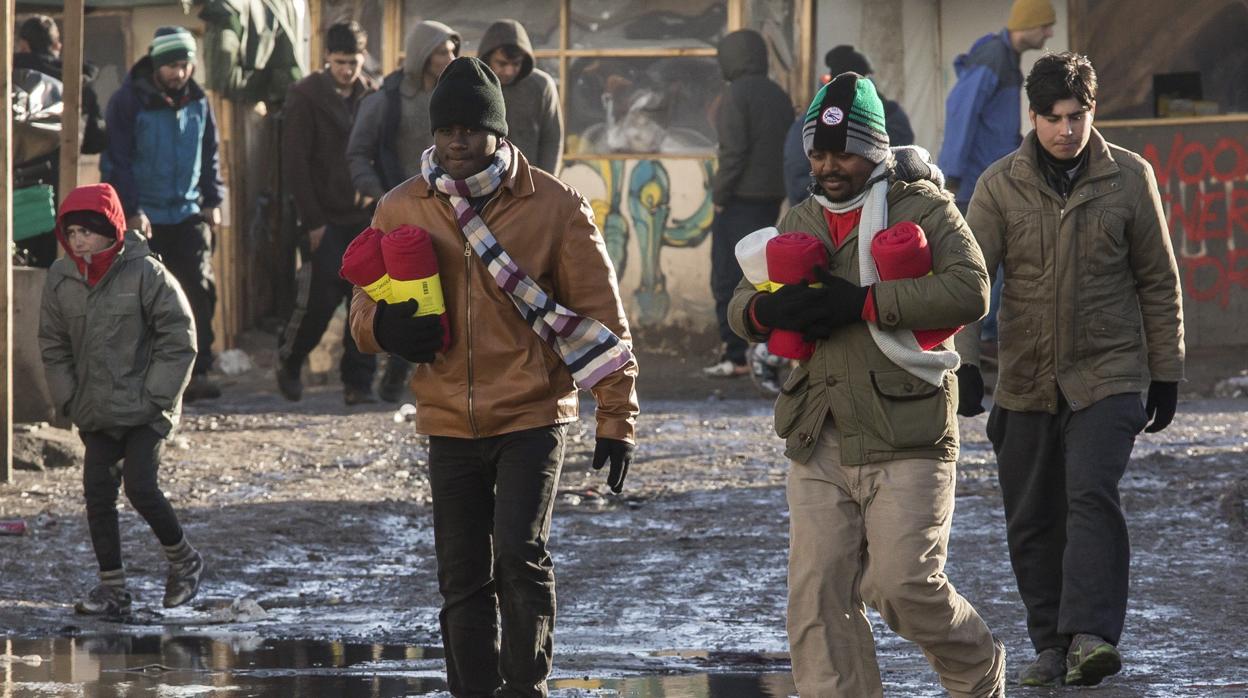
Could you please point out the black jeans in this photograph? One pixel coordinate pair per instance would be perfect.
(320, 290)
(1064, 522)
(492, 502)
(139, 451)
(186, 250)
(738, 219)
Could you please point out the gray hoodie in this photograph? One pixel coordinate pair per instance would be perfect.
(754, 116)
(385, 146)
(534, 118)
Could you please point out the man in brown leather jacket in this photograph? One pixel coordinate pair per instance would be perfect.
(1091, 317)
(510, 239)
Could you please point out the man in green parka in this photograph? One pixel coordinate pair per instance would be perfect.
(869, 420)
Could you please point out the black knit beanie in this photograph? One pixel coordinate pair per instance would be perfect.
(94, 221)
(844, 59)
(468, 94)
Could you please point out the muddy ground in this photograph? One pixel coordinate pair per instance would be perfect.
(320, 513)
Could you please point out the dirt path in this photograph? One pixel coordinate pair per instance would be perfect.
(321, 514)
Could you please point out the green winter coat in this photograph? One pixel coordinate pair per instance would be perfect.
(1091, 303)
(117, 355)
(881, 411)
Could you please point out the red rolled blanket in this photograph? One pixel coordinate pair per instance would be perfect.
(413, 268)
(791, 259)
(363, 266)
(901, 252)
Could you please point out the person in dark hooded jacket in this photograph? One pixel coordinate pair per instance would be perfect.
(748, 188)
(534, 119)
(118, 343)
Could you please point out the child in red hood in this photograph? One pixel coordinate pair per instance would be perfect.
(118, 343)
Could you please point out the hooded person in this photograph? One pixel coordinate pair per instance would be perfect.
(868, 424)
(534, 117)
(391, 128)
(517, 250)
(748, 185)
(118, 343)
(162, 158)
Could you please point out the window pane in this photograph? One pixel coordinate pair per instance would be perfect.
(776, 20)
(642, 105)
(471, 18)
(601, 24)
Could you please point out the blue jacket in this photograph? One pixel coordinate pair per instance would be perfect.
(982, 113)
(161, 157)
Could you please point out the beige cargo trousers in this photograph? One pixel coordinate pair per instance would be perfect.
(878, 534)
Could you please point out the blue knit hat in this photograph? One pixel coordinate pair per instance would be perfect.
(170, 45)
(847, 116)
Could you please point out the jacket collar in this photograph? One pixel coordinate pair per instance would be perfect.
(152, 97)
(1101, 161)
(519, 179)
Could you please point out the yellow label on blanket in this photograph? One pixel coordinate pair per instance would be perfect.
(773, 286)
(426, 291)
(379, 290)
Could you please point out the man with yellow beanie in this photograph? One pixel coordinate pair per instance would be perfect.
(983, 114)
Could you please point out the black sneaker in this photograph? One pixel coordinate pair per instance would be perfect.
(1090, 659)
(290, 382)
(105, 600)
(357, 396)
(201, 387)
(1047, 669)
(394, 380)
(182, 584)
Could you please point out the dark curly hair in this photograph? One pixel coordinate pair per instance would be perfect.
(346, 37)
(1058, 76)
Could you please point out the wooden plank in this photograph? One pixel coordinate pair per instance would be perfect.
(71, 61)
(6, 234)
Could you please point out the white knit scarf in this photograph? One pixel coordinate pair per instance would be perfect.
(899, 346)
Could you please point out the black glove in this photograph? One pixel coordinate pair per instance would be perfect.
(620, 453)
(790, 307)
(970, 390)
(1163, 398)
(397, 330)
(840, 303)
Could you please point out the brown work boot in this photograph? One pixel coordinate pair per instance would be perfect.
(1090, 659)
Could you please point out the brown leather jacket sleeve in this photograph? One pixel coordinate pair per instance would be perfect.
(587, 284)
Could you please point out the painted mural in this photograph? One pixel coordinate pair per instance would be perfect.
(655, 215)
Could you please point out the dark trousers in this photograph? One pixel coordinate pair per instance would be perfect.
(735, 221)
(139, 452)
(320, 291)
(186, 250)
(492, 502)
(1064, 522)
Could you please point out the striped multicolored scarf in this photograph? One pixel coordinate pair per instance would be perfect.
(590, 350)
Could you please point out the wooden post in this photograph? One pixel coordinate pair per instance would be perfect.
(6, 235)
(71, 95)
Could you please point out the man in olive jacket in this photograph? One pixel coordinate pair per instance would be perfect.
(496, 402)
(873, 439)
(1091, 316)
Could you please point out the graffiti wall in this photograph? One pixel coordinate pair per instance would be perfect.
(1202, 172)
(656, 218)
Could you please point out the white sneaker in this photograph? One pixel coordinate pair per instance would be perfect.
(726, 369)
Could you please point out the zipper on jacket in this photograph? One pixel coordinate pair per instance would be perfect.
(472, 420)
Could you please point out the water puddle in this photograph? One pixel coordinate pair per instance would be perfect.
(176, 666)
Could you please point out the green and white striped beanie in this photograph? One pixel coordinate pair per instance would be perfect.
(847, 116)
(170, 45)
